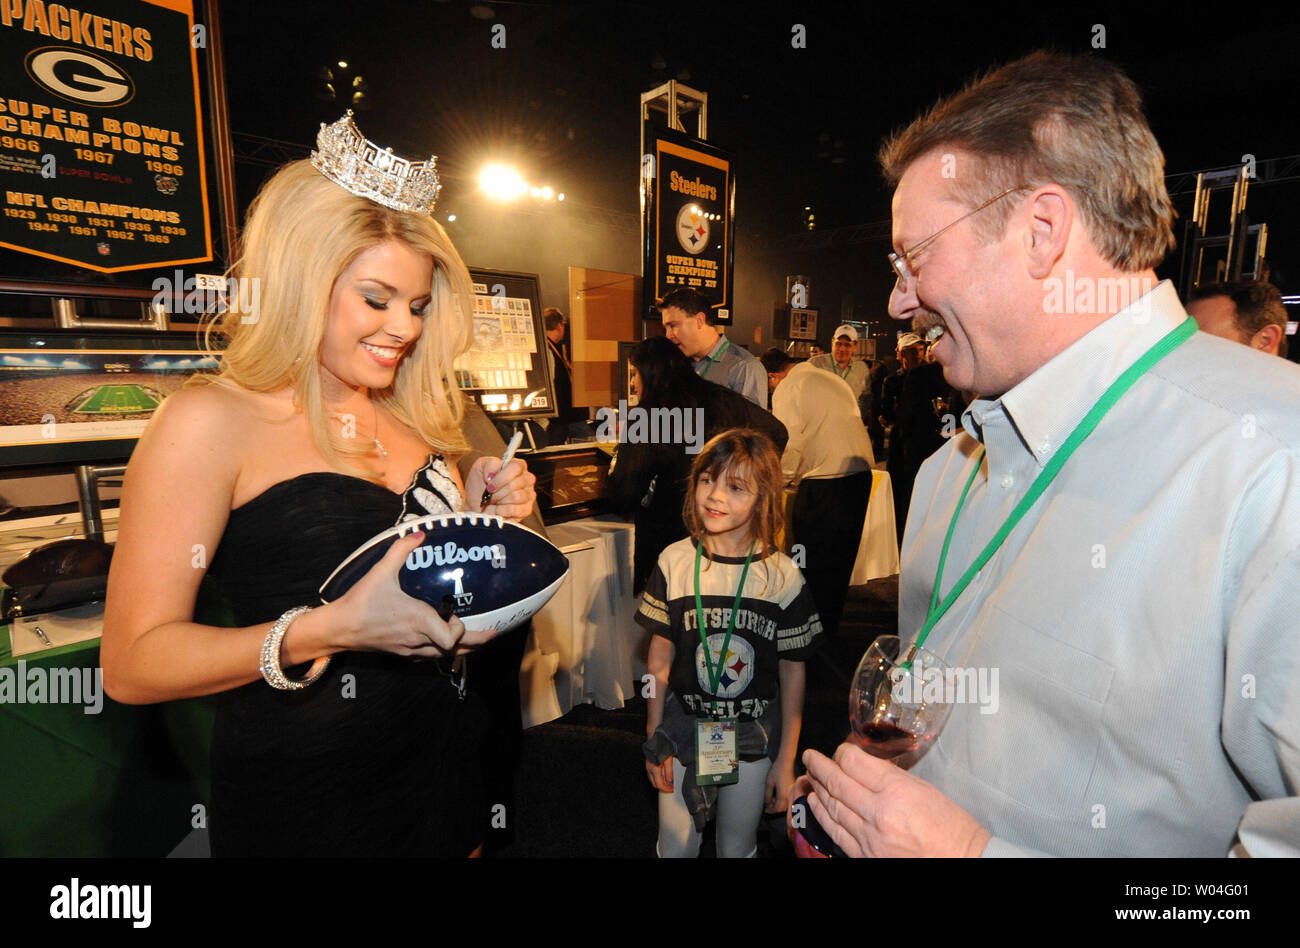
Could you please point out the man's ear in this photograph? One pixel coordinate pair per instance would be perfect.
(1267, 338)
(1050, 213)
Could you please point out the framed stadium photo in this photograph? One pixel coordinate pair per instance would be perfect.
(77, 399)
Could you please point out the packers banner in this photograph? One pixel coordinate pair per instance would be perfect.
(689, 227)
(101, 147)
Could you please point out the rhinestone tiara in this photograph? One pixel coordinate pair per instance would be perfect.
(351, 160)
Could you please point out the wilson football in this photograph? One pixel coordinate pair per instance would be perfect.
(492, 573)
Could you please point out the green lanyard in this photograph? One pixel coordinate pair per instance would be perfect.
(715, 672)
(847, 372)
(708, 363)
(1171, 341)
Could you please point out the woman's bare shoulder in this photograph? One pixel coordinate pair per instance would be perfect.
(215, 421)
(217, 406)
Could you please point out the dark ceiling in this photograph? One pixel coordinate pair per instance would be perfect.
(561, 97)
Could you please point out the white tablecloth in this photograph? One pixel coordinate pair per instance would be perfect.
(585, 647)
(878, 549)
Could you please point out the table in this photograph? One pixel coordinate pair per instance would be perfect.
(123, 782)
(585, 647)
(878, 549)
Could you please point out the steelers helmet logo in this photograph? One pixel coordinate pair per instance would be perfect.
(737, 666)
(692, 228)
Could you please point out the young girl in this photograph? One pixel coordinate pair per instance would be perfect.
(724, 718)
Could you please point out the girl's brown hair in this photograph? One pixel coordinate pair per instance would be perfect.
(749, 455)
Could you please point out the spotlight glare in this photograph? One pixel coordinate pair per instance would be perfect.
(501, 182)
(548, 193)
(342, 64)
(560, 196)
(535, 191)
(450, 218)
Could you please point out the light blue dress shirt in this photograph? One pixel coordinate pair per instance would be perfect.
(1143, 617)
(735, 368)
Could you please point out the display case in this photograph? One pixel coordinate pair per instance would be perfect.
(570, 481)
(505, 369)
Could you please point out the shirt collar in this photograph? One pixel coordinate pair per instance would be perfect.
(717, 346)
(1047, 405)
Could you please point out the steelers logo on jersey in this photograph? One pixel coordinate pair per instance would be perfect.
(692, 228)
(737, 666)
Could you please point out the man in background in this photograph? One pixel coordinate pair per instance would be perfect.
(572, 421)
(853, 371)
(828, 459)
(909, 404)
(690, 323)
(1249, 312)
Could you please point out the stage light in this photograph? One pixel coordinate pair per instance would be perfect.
(342, 64)
(547, 193)
(501, 182)
(450, 218)
(535, 191)
(560, 196)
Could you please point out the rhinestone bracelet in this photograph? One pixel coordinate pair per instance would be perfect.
(270, 664)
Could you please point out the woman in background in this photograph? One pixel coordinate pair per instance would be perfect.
(650, 479)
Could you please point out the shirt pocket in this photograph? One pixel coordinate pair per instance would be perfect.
(1040, 746)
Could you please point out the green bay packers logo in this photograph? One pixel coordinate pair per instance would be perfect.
(692, 228)
(80, 77)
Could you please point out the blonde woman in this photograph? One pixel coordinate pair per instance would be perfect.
(335, 416)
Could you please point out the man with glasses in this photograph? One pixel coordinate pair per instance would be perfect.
(1116, 530)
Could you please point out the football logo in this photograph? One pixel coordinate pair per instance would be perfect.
(692, 228)
(463, 599)
(80, 77)
(737, 665)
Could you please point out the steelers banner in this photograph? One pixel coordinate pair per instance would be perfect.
(101, 148)
(689, 227)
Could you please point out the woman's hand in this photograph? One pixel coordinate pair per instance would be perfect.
(378, 617)
(661, 775)
(512, 491)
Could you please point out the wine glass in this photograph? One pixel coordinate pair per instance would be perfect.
(899, 701)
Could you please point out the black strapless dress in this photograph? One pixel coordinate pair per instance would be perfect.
(381, 756)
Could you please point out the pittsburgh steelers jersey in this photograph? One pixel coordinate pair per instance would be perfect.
(776, 620)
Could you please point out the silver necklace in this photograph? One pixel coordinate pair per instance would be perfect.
(378, 445)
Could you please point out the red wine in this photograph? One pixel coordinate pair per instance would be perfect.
(890, 742)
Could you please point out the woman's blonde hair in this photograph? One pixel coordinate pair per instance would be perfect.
(302, 232)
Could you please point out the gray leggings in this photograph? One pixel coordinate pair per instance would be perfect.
(740, 809)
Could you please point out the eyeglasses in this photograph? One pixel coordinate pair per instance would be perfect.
(901, 262)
